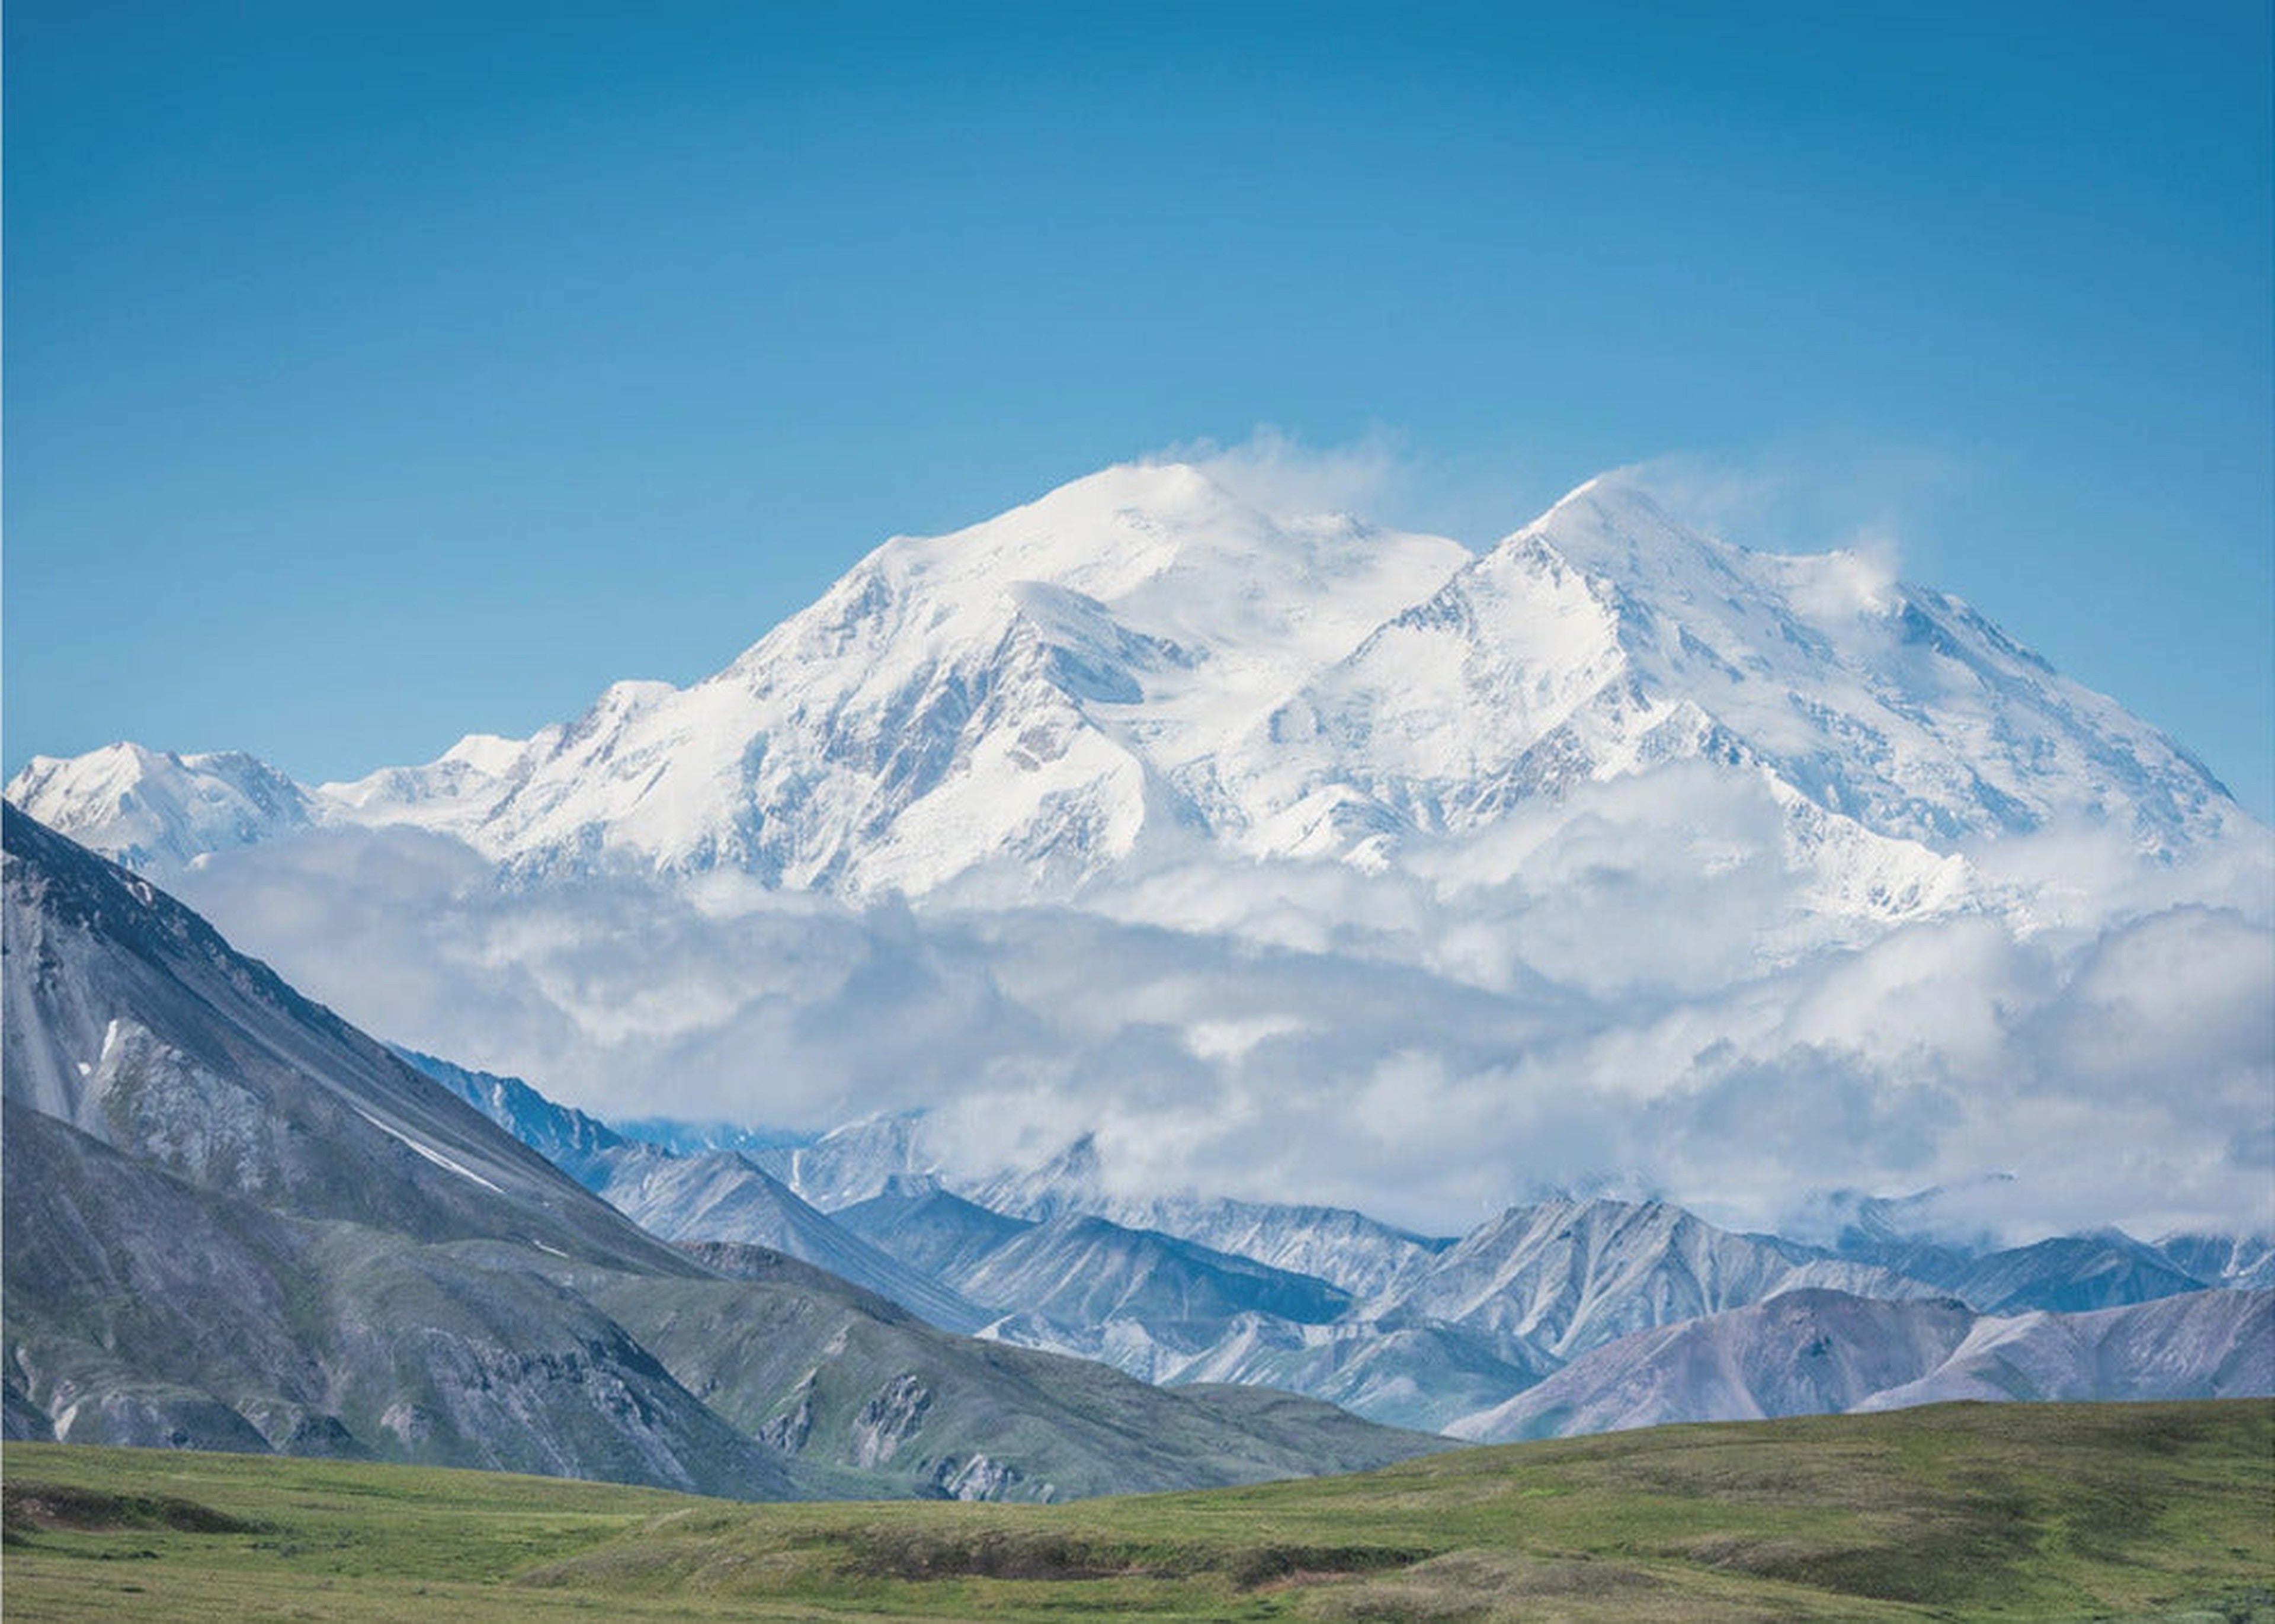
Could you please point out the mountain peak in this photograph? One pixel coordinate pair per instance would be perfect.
(1142, 663)
(1618, 495)
(1613, 529)
(1158, 541)
(1146, 485)
(485, 752)
(1101, 534)
(158, 808)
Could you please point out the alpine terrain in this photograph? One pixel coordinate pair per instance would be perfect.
(1141, 665)
(233, 1221)
(1650, 1312)
(1246, 946)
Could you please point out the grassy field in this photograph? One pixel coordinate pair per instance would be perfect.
(2154, 1511)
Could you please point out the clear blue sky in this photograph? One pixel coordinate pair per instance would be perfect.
(379, 371)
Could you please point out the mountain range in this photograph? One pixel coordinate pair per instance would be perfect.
(239, 1223)
(1556, 863)
(234, 1221)
(1645, 1311)
(1232, 935)
(1142, 664)
(1826, 1352)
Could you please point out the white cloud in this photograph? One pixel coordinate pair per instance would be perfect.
(1583, 1012)
(1810, 495)
(1712, 495)
(1277, 472)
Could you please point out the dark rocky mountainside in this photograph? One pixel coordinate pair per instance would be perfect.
(234, 1221)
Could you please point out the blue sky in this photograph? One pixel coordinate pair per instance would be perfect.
(376, 373)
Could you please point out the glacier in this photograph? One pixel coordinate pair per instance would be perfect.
(1140, 662)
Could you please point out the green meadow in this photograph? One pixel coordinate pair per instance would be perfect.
(2006, 1512)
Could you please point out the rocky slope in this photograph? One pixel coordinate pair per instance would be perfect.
(1817, 1351)
(1457, 1327)
(235, 1222)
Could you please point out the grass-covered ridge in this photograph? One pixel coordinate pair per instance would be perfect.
(1969, 1511)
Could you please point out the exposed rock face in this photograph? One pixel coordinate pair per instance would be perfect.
(789, 1431)
(889, 1419)
(977, 1478)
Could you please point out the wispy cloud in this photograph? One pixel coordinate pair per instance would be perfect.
(1820, 495)
(1277, 472)
(1824, 495)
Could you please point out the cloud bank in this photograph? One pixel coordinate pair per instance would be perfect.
(1587, 1010)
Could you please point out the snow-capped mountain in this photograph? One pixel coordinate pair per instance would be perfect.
(929, 1227)
(1809, 1352)
(1662, 1315)
(1615, 840)
(1819, 1351)
(2200, 1344)
(710, 1195)
(1360, 1255)
(156, 811)
(582, 1146)
(1562, 1277)
(1031, 690)
(719, 1195)
(2239, 1263)
(2072, 1274)
(1087, 1271)
(1141, 665)
(1604, 636)
(854, 1161)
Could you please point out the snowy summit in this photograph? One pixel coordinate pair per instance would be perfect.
(1142, 666)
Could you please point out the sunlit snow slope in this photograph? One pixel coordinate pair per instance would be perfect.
(1140, 668)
